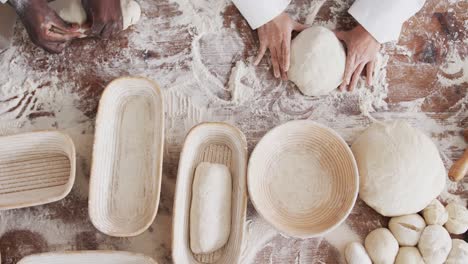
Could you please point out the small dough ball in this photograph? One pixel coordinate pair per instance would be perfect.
(72, 11)
(131, 13)
(457, 222)
(459, 252)
(381, 246)
(407, 229)
(435, 244)
(317, 61)
(355, 253)
(210, 212)
(409, 255)
(400, 168)
(435, 213)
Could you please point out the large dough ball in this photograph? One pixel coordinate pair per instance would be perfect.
(355, 253)
(317, 61)
(459, 252)
(457, 222)
(407, 229)
(400, 168)
(435, 244)
(435, 213)
(381, 246)
(409, 255)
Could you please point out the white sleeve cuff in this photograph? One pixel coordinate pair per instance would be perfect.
(3, 1)
(259, 12)
(383, 19)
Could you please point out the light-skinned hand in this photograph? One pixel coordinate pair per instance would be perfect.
(362, 49)
(276, 37)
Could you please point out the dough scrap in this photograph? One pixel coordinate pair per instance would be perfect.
(381, 246)
(210, 212)
(355, 253)
(407, 229)
(435, 213)
(434, 244)
(72, 11)
(400, 168)
(457, 222)
(317, 61)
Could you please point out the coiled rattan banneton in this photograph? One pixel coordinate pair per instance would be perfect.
(35, 168)
(215, 143)
(127, 157)
(303, 179)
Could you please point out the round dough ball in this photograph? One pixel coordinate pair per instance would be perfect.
(317, 61)
(435, 213)
(355, 253)
(381, 246)
(409, 255)
(131, 13)
(407, 229)
(435, 244)
(400, 168)
(72, 11)
(457, 222)
(459, 252)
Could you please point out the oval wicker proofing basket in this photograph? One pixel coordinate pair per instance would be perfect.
(35, 168)
(216, 143)
(127, 157)
(87, 257)
(322, 185)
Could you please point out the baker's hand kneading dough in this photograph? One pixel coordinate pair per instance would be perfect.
(379, 21)
(45, 28)
(276, 37)
(104, 16)
(362, 50)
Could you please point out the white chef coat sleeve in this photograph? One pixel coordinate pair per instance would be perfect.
(3, 1)
(383, 19)
(259, 12)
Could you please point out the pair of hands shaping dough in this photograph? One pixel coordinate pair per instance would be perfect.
(47, 30)
(361, 48)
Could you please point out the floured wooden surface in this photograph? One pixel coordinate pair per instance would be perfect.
(200, 53)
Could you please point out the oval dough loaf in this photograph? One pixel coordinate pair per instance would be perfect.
(435, 213)
(435, 244)
(400, 168)
(381, 246)
(409, 255)
(457, 222)
(459, 252)
(355, 253)
(317, 61)
(210, 212)
(407, 229)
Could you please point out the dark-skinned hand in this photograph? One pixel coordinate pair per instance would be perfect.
(45, 28)
(104, 16)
